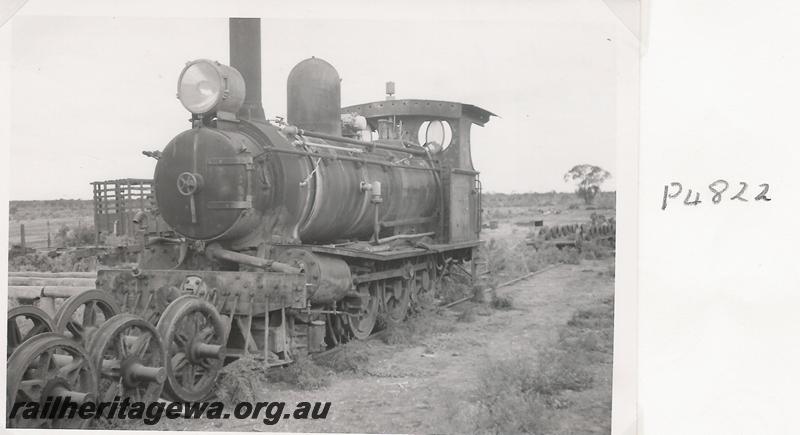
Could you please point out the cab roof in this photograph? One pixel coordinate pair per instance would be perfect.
(423, 108)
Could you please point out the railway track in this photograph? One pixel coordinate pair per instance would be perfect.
(505, 284)
(381, 334)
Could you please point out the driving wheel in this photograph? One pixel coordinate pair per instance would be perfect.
(127, 352)
(193, 335)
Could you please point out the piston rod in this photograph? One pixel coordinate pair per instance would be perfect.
(215, 251)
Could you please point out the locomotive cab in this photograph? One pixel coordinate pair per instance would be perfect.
(443, 129)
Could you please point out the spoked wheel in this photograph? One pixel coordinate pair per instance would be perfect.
(193, 334)
(419, 286)
(425, 282)
(129, 358)
(361, 325)
(83, 313)
(25, 322)
(396, 296)
(49, 365)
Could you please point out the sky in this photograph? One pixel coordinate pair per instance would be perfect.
(89, 93)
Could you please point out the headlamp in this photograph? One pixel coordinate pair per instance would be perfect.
(206, 86)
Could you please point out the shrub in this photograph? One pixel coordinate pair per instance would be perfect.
(507, 404)
(57, 262)
(242, 380)
(454, 286)
(303, 373)
(466, 316)
(516, 395)
(561, 370)
(592, 250)
(502, 302)
(80, 235)
(415, 327)
(505, 257)
(350, 358)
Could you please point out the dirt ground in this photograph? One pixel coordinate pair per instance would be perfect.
(435, 382)
(433, 386)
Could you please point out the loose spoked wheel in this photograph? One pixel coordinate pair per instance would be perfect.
(83, 313)
(396, 296)
(361, 325)
(49, 365)
(193, 335)
(424, 281)
(25, 322)
(129, 358)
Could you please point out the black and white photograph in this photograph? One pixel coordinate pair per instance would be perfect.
(342, 217)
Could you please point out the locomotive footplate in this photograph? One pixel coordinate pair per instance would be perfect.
(250, 308)
(147, 292)
(387, 252)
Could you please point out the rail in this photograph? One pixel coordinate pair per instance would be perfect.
(505, 284)
(382, 333)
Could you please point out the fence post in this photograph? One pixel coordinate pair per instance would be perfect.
(22, 235)
(48, 234)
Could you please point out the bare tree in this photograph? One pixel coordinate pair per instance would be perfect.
(588, 179)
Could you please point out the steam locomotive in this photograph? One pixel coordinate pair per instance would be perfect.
(286, 237)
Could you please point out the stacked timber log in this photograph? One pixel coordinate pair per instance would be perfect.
(45, 287)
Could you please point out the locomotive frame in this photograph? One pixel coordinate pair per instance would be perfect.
(271, 286)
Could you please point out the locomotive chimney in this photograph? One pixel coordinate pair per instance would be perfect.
(245, 49)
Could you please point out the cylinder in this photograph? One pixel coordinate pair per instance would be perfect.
(314, 97)
(328, 277)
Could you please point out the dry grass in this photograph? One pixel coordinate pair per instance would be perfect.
(507, 403)
(502, 302)
(242, 381)
(466, 316)
(417, 327)
(52, 262)
(509, 259)
(352, 357)
(422, 301)
(56, 208)
(454, 286)
(77, 235)
(506, 257)
(546, 199)
(550, 255)
(303, 374)
(594, 250)
(517, 395)
(598, 317)
(611, 271)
